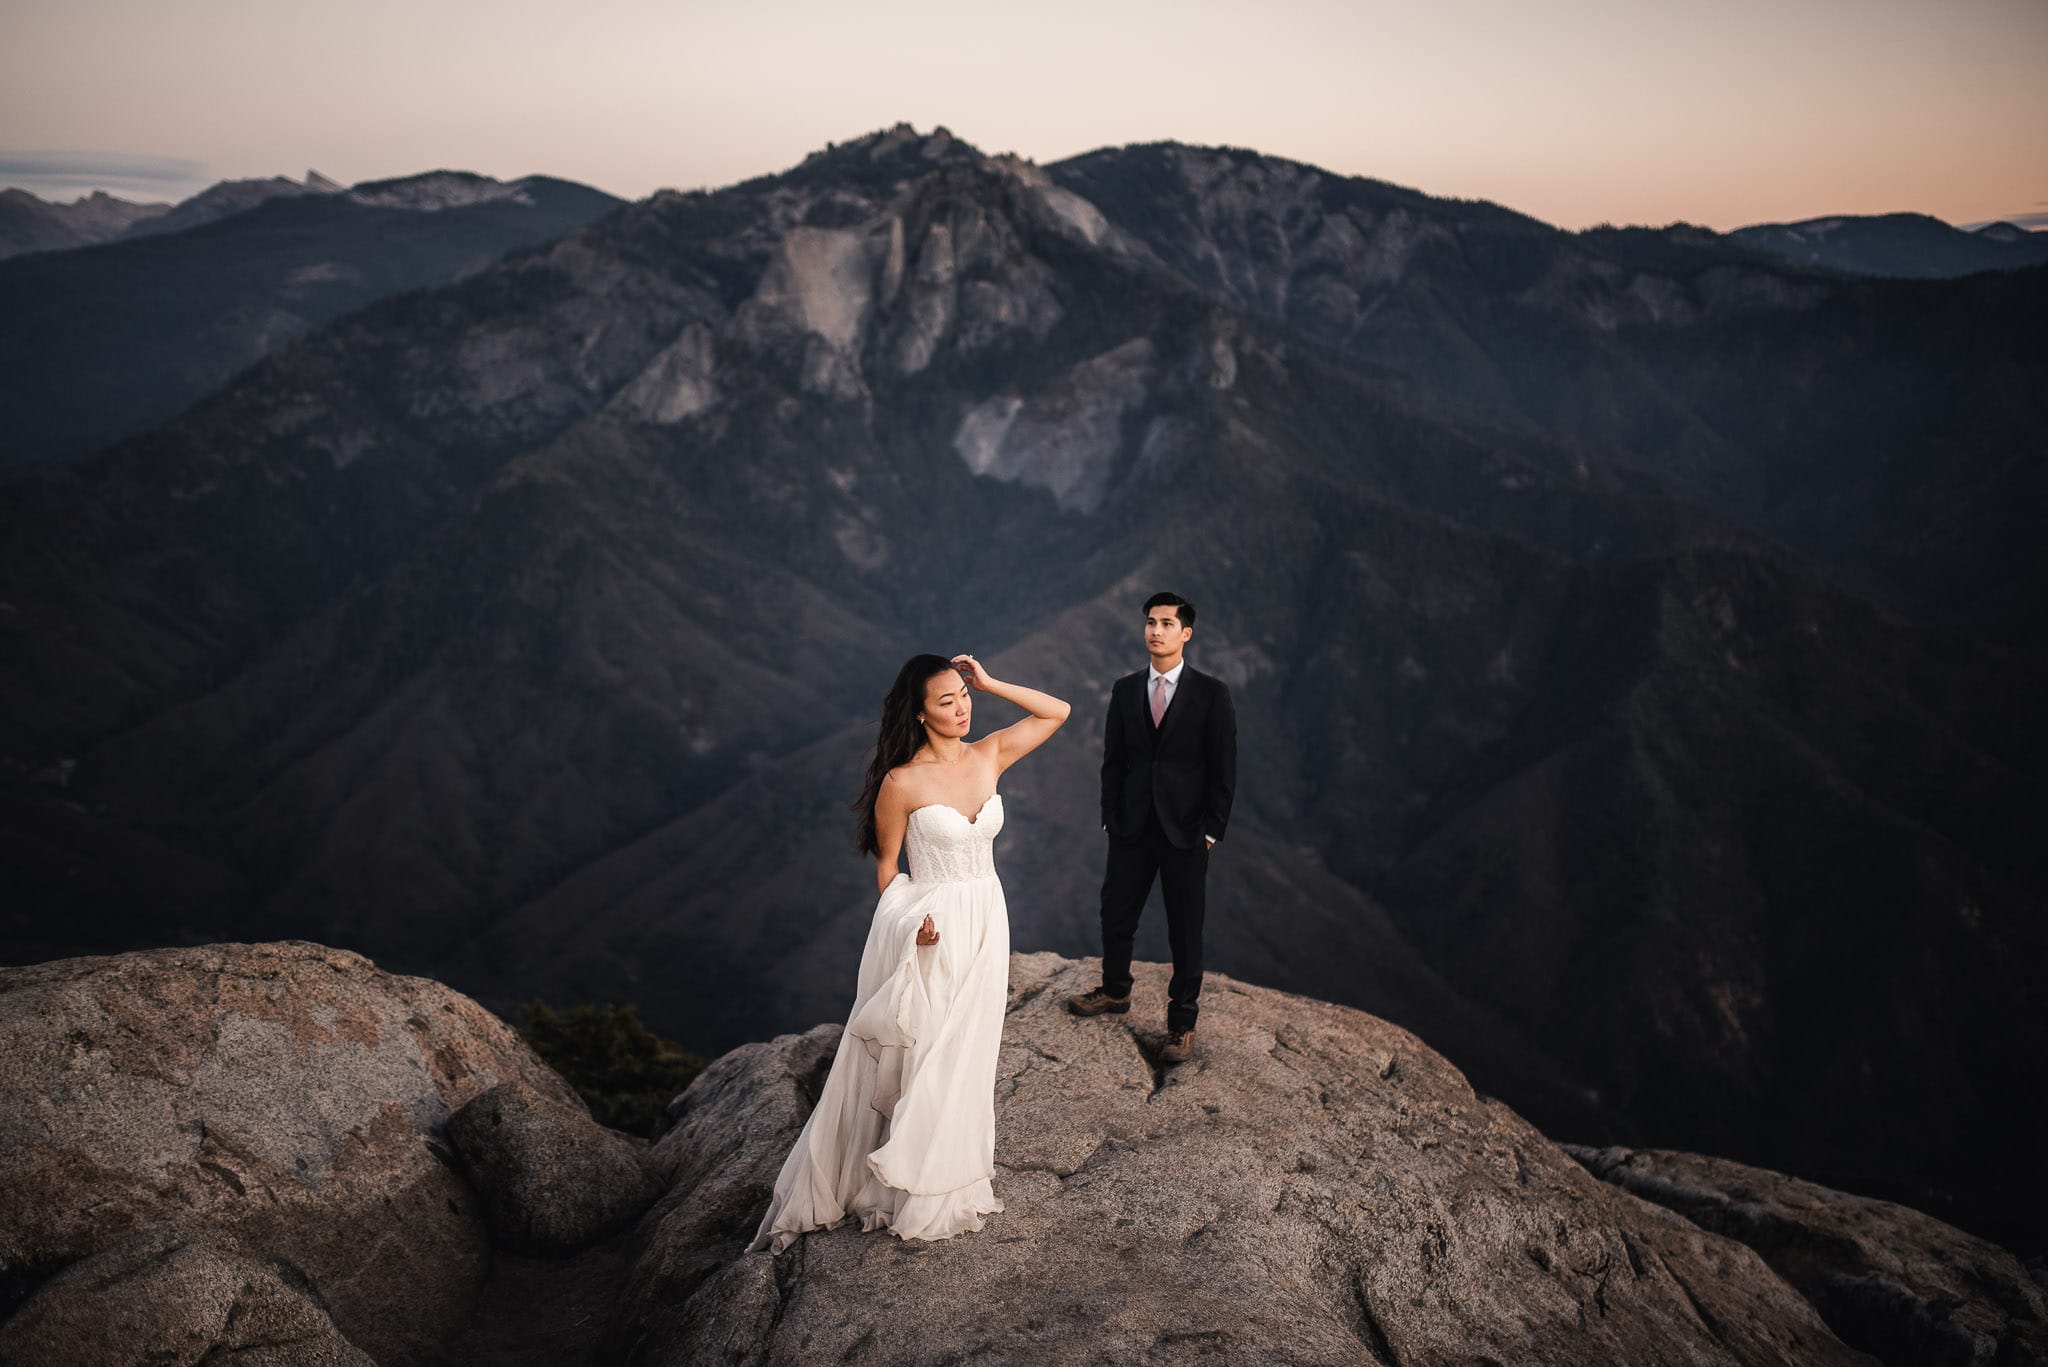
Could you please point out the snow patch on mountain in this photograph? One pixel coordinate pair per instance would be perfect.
(438, 190)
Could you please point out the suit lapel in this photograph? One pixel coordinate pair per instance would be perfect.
(1138, 714)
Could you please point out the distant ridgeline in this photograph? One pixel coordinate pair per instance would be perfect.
(97, 344)
(1912, 246)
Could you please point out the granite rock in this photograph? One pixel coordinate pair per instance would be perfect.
(1889, 1279)
(552, 1179)
(1315, 1185)
(286, 1098)
(162, 1298)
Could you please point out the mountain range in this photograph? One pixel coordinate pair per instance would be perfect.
(1637, 637)
(32, 224)
(29, 223)
(201, 318)
(1909, 246)
(99, 343)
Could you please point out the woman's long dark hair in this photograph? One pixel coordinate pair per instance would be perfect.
(901, 736)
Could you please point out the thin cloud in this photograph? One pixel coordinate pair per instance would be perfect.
(57, 174)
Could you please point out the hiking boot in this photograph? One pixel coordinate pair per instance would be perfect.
(1179, 1044)
(1096, 1001)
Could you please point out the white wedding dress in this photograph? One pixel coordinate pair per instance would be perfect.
(903, 1134)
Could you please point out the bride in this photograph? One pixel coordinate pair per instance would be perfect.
(903, 1134)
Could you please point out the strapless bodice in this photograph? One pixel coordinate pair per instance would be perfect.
(946, 847)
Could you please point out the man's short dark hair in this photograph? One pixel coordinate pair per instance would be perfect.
(1182, 608)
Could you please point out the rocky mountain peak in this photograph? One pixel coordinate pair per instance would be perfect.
(838, 278)
(903, 140)
(891, 156)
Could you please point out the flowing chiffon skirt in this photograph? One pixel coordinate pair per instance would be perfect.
(903, 1135)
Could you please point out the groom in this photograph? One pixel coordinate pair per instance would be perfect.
(1169, 768)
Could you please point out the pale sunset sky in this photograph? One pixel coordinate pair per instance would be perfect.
(1577, 111)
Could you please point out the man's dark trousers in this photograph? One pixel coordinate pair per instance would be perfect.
(1133, 863)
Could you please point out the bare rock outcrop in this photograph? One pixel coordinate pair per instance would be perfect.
(1889, 1279)
(1314, 1186)
(162, 1297)
(279, 1153)
(551, 1177)
(283, 1102)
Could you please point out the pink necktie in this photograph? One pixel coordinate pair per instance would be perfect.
(1158, 700)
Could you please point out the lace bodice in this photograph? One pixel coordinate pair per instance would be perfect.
(945, 847)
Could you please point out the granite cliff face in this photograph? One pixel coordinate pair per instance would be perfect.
(1791, 400)
(528, 630)
(278, 1153)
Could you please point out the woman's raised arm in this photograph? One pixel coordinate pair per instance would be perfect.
(1018, 739)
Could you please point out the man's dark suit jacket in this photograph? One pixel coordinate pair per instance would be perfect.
(1186, 770)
